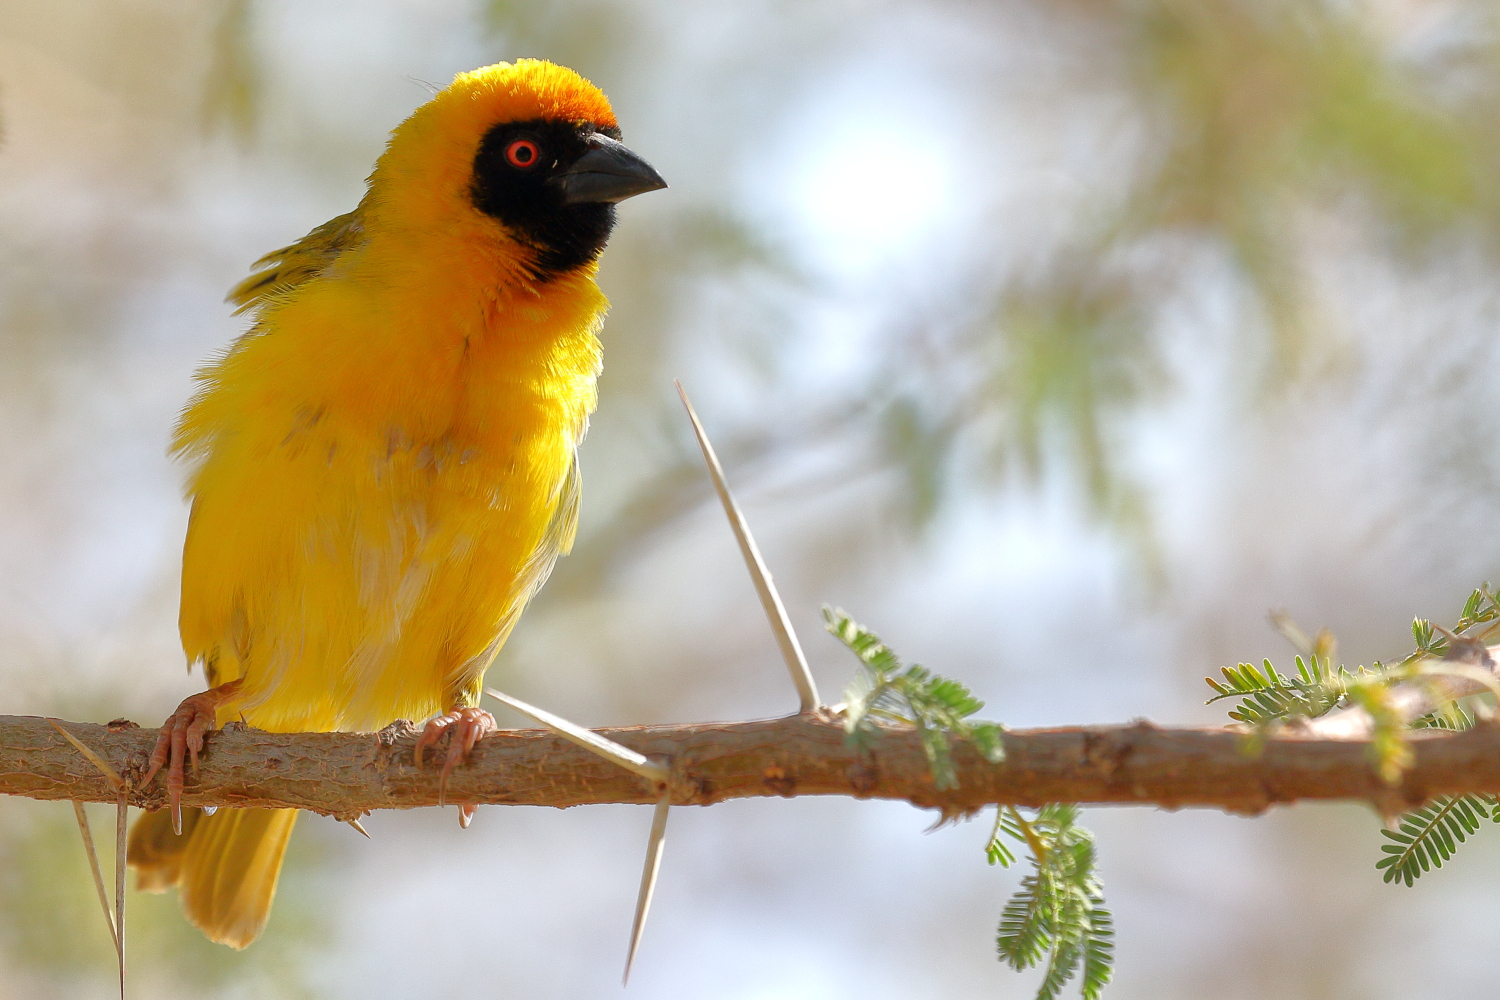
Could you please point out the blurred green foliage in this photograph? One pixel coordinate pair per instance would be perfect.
(1252, 120)
(1250, 126)
(232, 86)
(63, 939)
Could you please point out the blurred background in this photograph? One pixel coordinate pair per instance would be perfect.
(1057, 341)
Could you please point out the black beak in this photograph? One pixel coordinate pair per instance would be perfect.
(607, 172)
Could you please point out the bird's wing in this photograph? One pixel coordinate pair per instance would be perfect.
(557, 540)
(464, 688)
(280, 271)
(563, 527)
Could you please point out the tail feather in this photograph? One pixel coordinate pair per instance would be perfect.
(225, 866)
(155, 852)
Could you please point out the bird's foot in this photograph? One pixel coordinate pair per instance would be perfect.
(465, 727)
(182, 737)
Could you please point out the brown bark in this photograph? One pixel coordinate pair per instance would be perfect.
(345, 774)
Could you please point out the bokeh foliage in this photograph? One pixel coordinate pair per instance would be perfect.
(1232, 152)
(1254, 126)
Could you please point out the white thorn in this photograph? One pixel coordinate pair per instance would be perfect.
(115, 781)
(786, 637)
(88, 846)
(121, 825)
(589, 740)
(648, 879)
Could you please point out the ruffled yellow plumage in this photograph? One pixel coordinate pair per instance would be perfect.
(383, 467)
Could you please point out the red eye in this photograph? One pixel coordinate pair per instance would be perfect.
(522, 153)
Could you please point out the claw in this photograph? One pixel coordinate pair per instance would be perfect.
(468, 726)
(182, 736)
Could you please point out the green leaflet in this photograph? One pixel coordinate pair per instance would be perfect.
(1318, 687)
(1057, 917)
(939, 708)
(1269, 695)
(1425, 837)
(1428, 836)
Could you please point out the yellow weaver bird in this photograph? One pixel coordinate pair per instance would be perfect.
(384, 467)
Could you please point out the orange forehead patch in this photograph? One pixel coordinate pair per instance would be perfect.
(534, 88)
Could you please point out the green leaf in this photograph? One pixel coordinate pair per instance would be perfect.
(939, 760)
(989, 740)
(1429, 836)
(999, 853)
(1422, 634)
(1098, 950)
(1024, 935)
(1481, 607)
(1057, 916)
(937, 707)
(1061, 965)
(997, 850)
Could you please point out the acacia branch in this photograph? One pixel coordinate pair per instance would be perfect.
(347, 774)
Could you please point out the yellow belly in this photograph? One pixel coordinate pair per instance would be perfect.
(377, 497)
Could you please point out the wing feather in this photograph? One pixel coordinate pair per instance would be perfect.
(281, 271)
(557, 540)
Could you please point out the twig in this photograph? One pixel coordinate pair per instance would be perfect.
(348, 774)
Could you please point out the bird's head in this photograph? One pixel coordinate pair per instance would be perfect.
(526, 154)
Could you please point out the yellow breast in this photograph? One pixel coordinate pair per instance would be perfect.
(386, 473)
